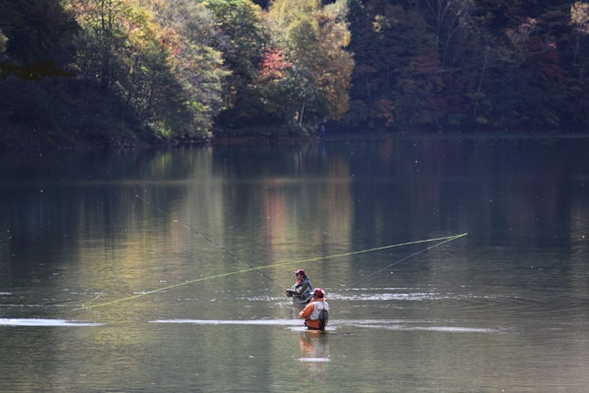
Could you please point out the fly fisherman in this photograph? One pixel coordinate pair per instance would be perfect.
(302, 289)
(316, 313)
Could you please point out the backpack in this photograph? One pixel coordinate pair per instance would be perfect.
(323, 318)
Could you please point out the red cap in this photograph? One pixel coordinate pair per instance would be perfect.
(319, 292)
(300, 271)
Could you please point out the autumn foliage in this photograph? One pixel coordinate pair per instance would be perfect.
(107, 72)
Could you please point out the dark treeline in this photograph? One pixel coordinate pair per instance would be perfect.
(111, 72)
(456, 63)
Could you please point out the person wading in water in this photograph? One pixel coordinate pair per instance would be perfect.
(302, 289)
(316, 313)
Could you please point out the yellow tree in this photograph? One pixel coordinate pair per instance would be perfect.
(117, 40)
(314, 38)
(140, 51)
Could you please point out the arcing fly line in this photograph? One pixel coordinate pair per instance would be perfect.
(442, 240)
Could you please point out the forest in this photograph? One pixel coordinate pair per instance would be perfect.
(111, 73)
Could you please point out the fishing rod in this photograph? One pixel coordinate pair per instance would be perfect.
(211, 241)
(444, 241)
(298, 262)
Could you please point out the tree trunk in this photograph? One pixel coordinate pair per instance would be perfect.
(302, 113)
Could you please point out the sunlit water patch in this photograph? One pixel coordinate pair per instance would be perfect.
(385, 324)
(388, 296)
(314, 360)
(44, 322)
(362, 296)
(270, 322)
(415, 325)
(367, 295)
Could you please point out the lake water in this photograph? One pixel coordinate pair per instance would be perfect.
(451, 265)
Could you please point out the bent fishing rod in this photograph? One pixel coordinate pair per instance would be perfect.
(441, 241)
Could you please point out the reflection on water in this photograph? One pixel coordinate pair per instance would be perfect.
(314, 347)
(142, 271)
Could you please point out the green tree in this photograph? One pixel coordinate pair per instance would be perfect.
(36, 31)
(35, 50)
(386, 41)
(242, 42)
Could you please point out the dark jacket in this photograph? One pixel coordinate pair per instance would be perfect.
(301, 291)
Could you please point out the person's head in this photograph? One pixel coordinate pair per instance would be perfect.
(299, 273)
(319, 293)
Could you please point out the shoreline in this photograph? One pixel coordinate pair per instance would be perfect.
(292, 140)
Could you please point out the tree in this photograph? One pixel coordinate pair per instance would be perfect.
(36, 31)
(189, 33)
(386, 41)
(579, 21)
(314, 38)
(35, 52)
(125, 45)
(242, 41)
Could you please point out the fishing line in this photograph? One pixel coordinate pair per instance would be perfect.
(447, 240)
(300, 261)
(211, 241)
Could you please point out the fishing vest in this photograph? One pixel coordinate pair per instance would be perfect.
(318, 307)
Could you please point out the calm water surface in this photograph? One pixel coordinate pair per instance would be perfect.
(165, 271)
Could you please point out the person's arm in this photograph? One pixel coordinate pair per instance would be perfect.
(302, 288)
(307, 311)
(291, 291)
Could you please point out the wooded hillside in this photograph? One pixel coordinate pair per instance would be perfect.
(112, 72)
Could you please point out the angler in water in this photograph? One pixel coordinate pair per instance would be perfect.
(302, 289)
(316, 313)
